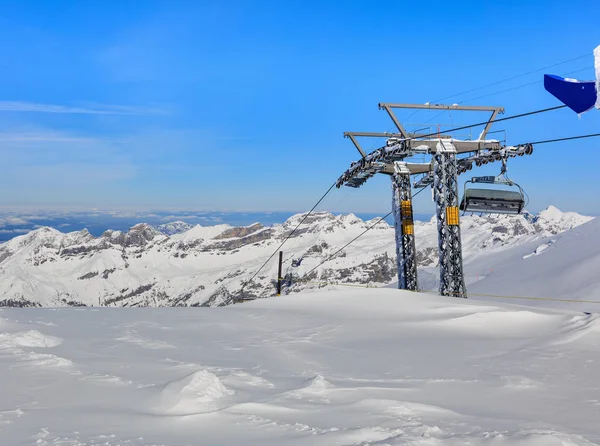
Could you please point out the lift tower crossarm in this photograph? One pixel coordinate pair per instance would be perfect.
(373, 134)
(411, 136)
(401, 145)
(441, 107)
(388, 107)
(352, 136)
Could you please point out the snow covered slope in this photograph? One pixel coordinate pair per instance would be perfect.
(366, 367)
(206, 265)
(482, 235)
(564, 266)
(174, 227)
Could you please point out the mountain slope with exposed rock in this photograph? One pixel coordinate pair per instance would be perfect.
(178, 265)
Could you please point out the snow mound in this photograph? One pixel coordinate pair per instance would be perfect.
(540, 249)
(195, 393)
(315, 390)
(504, 323)
(407, 409)
(528, 437)
(47, 360)
(578, 327)
(31, 338)
(519, 382)
(318, 384)
(246, 379)
(369, 435)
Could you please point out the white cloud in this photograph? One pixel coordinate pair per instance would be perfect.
(42, 137)
(177, 217)
(21, 106)
(12, 221)
(14, 231)
(79, 174)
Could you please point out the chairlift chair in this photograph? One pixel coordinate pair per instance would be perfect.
(493, 201)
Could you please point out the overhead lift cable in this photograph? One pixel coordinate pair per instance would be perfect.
(522, 115)
(479, 124)
(354, 239)
(517, 87)
(378, 154)
(513, 77)
(349, 243)
(389, 213)
(290, 234)
(503, 81)
(568, 138)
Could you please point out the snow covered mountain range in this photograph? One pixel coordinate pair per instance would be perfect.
(181, 265)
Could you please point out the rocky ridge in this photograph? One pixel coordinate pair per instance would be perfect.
(182, 265)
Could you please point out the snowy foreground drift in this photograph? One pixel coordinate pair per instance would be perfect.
(564, 266)
(320, 368)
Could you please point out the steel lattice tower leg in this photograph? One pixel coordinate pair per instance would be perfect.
(445, 188)
(406, 255)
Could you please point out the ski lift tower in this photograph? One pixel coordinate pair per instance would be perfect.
(441, 173)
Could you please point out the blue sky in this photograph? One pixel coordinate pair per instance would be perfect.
(241, 105)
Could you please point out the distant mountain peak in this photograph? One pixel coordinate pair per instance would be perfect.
(173, 227)
(141, 227)
(552, 212)
(180, 264)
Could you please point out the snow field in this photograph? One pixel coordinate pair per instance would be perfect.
(564, 266)
(343, 367)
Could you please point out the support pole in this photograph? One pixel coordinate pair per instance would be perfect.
(445, 190)
(404, 226)
(279, 273)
